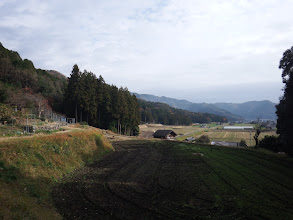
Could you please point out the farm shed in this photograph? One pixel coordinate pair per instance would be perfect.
(238, 127)
(164, 134)
(225, 143)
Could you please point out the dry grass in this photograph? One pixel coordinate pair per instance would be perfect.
(236, 136)
(30, 166)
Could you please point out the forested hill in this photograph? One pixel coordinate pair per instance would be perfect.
(189, 106)
(22, 85)
(251, 110)
(155, 112)
(232, 111)
(82, 95)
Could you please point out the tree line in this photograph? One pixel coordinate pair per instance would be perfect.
(155, 112)
(88, 98)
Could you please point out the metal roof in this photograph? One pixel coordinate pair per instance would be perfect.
(238, 127)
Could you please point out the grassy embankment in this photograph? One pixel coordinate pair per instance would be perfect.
(30, 166)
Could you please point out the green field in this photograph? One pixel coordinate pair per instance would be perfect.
(254, 183)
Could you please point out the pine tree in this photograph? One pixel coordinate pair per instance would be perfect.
(87, 96)
(105, 110)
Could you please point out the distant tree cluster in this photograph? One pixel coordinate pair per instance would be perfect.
(285, 107)
(90, 99)
(155, 112)
(204, 139)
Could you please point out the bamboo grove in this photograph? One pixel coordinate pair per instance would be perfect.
(89, 99)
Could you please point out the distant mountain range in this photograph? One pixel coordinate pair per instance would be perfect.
(232, 111)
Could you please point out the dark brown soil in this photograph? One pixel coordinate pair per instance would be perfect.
(139, 180)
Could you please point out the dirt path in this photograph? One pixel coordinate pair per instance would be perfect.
(67, 129)
(136, 181)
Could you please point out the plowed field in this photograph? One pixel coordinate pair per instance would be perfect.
(172, 180)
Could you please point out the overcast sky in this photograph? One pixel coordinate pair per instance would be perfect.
(201, 51)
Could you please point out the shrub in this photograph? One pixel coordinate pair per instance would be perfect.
(204, 139)
(243, 143)
(99, 141)
(136, 131)
(270, 143)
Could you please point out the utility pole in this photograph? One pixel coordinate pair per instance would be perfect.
(27, 124)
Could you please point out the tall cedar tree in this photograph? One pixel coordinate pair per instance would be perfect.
(72, 92)
(285, 107)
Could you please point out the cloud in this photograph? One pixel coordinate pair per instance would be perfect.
(155, 45)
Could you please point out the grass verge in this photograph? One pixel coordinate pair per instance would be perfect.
(29, 167)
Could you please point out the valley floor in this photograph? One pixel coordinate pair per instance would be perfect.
(213, 131)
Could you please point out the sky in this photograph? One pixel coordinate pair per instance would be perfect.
(200, 51)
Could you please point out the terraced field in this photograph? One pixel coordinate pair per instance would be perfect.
(171, 180)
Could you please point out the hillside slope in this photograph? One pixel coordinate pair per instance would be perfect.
(251, 110)
(22, 85)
